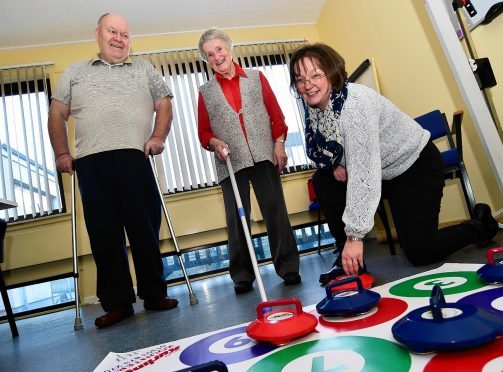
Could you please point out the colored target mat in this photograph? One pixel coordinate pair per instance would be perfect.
(360, 343)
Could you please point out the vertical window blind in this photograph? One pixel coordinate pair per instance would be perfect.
(27, 171)
(185, 164)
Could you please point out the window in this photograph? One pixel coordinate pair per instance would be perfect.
(215, 258)
(59, 291)
(187, 166)
(27, 170)
(47, 294)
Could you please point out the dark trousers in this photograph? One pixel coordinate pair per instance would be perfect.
(119, 195)
(414, 198)
(269, 192)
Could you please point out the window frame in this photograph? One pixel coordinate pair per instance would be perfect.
(179, 66)
(27, 167)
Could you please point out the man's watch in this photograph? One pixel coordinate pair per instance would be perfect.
(352, 239)
(280, 140)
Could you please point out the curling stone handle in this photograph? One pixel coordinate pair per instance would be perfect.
(437, 302)
(283, 302)
(342, 281)
(491, 252)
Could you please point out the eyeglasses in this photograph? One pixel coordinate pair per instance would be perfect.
(116, 33)
(314, 79)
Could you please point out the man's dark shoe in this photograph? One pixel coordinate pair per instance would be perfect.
(292, 278)
(162, 304)
(482, 213)
(243, 287)
(114, 316)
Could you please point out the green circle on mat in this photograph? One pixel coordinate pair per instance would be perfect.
(450, 282)
(376, 355)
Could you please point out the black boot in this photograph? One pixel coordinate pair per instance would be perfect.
(482, 213)
(337, 270)
(332, 274)
(478, 230)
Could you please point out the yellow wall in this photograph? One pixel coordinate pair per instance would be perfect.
(40, 248)
(413, 72)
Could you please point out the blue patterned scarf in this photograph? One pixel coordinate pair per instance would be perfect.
(323, 135)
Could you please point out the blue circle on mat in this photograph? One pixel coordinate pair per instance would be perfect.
(484, 299)
(199, 352)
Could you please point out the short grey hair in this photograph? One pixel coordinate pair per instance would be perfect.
(212, 34)
(101, 18)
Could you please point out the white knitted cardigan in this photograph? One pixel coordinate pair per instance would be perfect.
(380, 142)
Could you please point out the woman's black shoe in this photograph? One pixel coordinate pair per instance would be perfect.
(292, 278)
(332, 274)
(338, 271)
(243, 287)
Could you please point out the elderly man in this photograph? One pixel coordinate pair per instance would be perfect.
(112, 98)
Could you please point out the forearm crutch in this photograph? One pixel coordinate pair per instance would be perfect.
(192, 296)
(242, 216)
(78, 321)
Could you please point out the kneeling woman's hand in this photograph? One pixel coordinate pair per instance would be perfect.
(352, 257)
(340, 173)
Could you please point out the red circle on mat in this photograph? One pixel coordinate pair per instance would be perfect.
(467, 360)
(387, 309)
(366, 279)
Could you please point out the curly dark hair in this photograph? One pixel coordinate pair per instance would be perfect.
(325, 57)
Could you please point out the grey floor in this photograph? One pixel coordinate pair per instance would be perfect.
(49, 342)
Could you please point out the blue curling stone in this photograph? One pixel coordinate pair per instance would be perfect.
(492, 271)
(446, 327)
(347, 302)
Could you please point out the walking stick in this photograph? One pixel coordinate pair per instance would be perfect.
(192, 296)
(242, 216)
(78, 321)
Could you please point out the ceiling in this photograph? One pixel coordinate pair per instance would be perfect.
(61, 21)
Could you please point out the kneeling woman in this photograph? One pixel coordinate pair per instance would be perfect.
(364, 146)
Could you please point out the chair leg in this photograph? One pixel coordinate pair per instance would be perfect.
(319, 230)
(381, 211)
(8, 308)
(467, 189)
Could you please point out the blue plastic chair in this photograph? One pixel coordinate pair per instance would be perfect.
(436, 123)
(314, 206)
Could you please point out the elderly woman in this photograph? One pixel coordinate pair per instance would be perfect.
(363, 145)
(239, 114)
